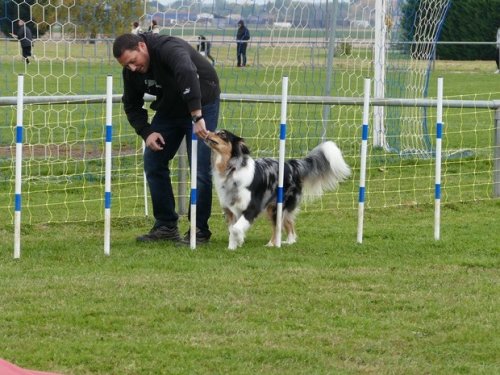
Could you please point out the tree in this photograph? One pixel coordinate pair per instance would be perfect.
(74, 18)
(106, 17)
(470, 21)
(12, 10)
(465, 21)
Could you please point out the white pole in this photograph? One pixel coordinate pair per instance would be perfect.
(362, 172)
(439, 134)
(107, 175)
(194, 174)
(281, 161)
(380, 47)
(145, 184)
(19, 163)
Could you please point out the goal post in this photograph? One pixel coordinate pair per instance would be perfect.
(379, 54)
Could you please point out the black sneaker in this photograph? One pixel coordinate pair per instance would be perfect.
(161, 233)
(201, 237)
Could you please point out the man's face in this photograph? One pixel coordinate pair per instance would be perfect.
(136, 60)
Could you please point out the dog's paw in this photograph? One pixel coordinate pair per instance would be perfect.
(237, 235)
(291, 239)
(236, 238)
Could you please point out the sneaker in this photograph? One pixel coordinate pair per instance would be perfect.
(161, 233)
(201, 237)
(497, 71)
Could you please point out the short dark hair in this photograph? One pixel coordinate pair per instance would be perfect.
(125, 42)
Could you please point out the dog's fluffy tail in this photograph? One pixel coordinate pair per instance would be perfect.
(323, 169)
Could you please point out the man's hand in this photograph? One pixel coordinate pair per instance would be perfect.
(155, 141)
(200, 129)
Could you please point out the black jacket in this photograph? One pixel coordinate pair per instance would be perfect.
(25, 36)
(181, 79)
(242, 34)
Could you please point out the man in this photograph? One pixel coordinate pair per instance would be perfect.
(25, 38)
(242, 38)
(187, 93)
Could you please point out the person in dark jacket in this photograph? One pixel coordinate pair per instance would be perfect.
(204, 47)
(25, 37)
(242, 38)
(187, 93)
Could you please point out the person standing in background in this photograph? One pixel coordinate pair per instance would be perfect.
(136, 28)
(242, 38)
(154, 28)
(25, 38)
(204, 47)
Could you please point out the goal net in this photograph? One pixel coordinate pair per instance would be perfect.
(413, 29)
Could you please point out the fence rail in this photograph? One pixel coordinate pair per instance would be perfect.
(318, 100)
(297, 99)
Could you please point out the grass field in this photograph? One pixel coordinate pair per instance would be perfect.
(400, 303)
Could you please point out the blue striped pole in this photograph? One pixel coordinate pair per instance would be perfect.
(108, 160)
(281, 161)
(439, 136)
(194, 174)
(362, 171)
(19, 163)
(145, 185)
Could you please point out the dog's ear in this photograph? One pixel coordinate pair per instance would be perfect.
(239, 147)
(243, 147)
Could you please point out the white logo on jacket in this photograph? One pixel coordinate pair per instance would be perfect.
(151, 83)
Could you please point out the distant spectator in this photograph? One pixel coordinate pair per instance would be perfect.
(154, 28)
(497, 55)
(136, 28)
(242, 38)
(204, 47)
(25, 37)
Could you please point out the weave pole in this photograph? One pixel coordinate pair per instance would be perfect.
(364, 148)
(439, 136)
(108, 161)
(194, 174)
(19, 164)
(145, 184)
(281, 161)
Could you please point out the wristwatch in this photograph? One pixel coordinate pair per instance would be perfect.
(195, 118)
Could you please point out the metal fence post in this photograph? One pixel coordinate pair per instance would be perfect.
(182, 198)
(496, 154)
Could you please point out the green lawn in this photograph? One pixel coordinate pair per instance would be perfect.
(401, 302)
